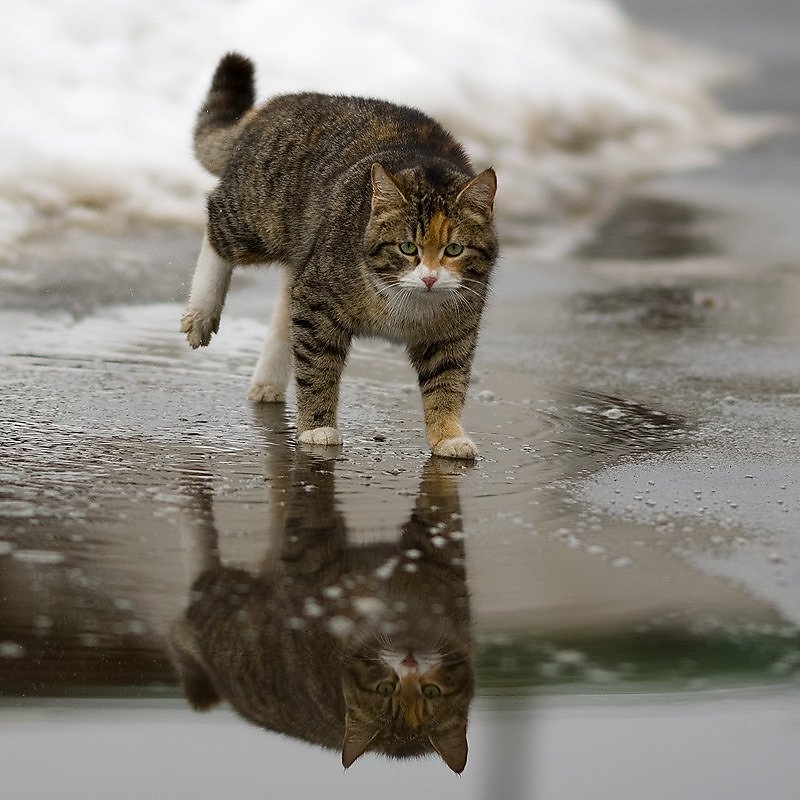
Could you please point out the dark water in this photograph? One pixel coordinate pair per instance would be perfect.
(629, 534)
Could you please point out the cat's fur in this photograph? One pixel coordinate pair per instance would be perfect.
(307, 646)
(330, 187)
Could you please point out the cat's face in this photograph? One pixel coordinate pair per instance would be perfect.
(430, 241)
(406, 702)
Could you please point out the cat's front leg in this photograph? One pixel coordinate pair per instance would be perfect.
(320, 347)
(212, 277)
(443, 372)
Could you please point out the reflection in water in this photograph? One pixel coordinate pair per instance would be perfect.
(354, 647)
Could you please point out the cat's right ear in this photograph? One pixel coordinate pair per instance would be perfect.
(385, 191)
(198, 685)
(357, 739)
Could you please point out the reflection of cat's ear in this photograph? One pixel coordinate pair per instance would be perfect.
(479, 193)
(198, 685)
(357, 739)
(385, 190)
(451, 745)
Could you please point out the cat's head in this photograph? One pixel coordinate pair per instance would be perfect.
(430, 237)
(404, 702)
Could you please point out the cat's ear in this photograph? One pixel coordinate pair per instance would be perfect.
(357, 739)
(451, 745)
(479, 193)
(385, 191)
(197, 683)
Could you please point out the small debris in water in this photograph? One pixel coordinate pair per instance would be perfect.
(368, 606)
(569, 658)
(38, 556)
(42, 622)
(384, 572)
(9, 649)
(311, 608)
(340, 626)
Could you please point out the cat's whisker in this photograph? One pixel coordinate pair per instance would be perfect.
(471, 290)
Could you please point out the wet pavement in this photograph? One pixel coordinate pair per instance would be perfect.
(630, 533)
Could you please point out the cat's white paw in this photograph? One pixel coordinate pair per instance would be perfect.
(265, 393)
(326, 436)
(198, 327)
(457, 447)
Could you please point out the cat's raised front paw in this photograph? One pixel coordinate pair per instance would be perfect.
(457, 447)
(326, 436)
(198, 327)
(265, 393)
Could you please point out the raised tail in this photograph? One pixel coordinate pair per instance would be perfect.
(221, 117)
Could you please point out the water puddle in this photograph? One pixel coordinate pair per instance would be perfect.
(585, 561)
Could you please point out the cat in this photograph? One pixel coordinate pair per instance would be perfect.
(356, 648)
(382, 227)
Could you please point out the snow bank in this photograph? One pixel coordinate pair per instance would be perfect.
(566, 98)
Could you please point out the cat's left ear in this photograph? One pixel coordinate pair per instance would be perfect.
(357, 739)
(479, 193)
(451, 745)
(385, 191)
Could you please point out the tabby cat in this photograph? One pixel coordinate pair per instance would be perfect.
(357, 648)
(381, 225)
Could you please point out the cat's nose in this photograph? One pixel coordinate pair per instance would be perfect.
(409, 661)
(429, 280)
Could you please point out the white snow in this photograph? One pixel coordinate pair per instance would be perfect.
(566, 98)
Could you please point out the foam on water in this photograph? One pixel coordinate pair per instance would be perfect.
(569, 100)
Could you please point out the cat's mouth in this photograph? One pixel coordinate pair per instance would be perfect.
(400, 293)
(429, 280)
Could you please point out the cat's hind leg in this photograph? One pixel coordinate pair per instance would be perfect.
(210, 283)
(274, 365)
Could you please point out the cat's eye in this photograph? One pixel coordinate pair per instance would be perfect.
(385, 688)
(408, 248)
(431, 690)
(454, 249)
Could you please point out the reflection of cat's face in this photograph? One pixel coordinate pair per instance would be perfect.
(404, 701)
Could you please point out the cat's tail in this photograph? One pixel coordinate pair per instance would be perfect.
(223, 114)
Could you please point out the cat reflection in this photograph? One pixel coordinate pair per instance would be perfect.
(354, 647)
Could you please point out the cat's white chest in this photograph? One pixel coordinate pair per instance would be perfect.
(411, 316)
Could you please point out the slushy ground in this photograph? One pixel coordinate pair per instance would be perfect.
(631, 528)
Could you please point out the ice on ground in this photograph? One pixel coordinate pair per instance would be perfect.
(568, 100)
